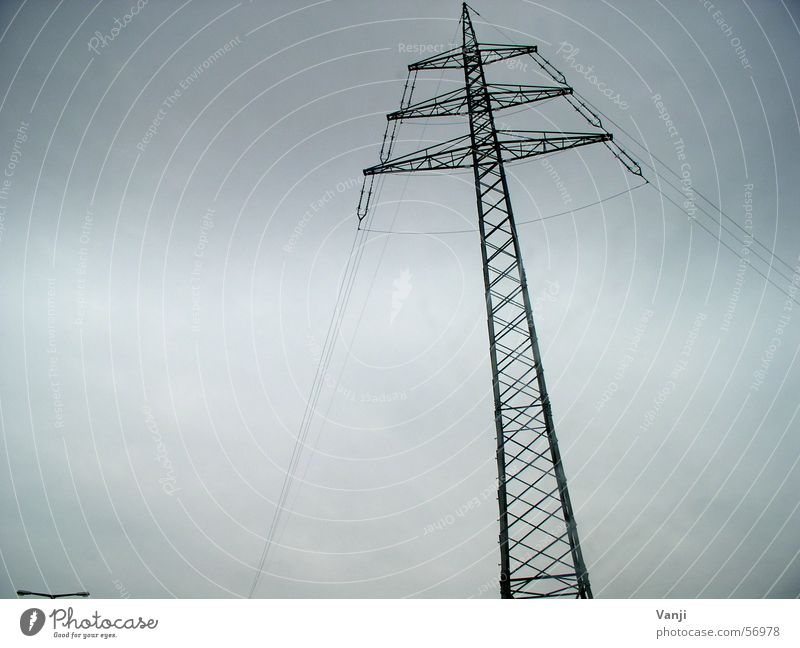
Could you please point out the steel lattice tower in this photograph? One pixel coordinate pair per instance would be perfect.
(539, 547)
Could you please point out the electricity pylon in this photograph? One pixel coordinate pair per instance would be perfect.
(540, 554)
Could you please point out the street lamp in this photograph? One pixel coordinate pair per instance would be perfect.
(51, 596)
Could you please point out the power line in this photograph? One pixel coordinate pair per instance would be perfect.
(408, 91)
(722, 226)
(713, 205)
(342, 299)
(700, 208)
(332, 334)
(694, 189)
(522, 222)
(728, 247)
(341, 302)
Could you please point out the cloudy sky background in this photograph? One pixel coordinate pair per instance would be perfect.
(166, 296)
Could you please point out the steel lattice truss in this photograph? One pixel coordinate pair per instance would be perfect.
(539, 547)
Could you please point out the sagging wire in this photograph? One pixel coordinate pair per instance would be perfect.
(522, 222)
(696, 191)
(343, 296)
(340, 306)
(634, 167)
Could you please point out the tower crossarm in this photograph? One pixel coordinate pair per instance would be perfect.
(518, 145)
(449, 60)
(514, 145)
(501, 95)
(449, 103)
(452, 154)
(490, 53)
(506, 95)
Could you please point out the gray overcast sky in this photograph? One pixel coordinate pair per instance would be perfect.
(174, 226)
